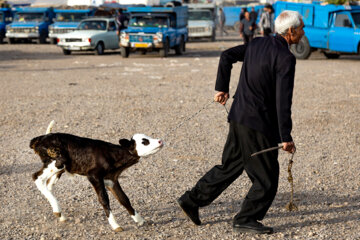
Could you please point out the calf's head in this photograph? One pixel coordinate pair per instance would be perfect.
(142, 145)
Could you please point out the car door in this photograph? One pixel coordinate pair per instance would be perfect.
(112, 35)
(341, 34)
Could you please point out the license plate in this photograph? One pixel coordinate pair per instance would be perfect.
(141, 45)
(72, 48)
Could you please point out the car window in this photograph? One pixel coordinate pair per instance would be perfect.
(112, 26)
(342, 20)
(93, 25)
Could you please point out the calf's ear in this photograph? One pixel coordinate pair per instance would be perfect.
(125, 143)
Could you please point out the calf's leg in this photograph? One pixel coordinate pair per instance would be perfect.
(99, 186)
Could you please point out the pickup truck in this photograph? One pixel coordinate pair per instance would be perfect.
(333, 29)
(155, 29)
(5, 18)
(67, 20)
(30, 23)
(202, 18)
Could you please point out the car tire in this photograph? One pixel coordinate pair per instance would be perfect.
(331, 55)
(302, 50)
(11, 40)
(1, 40)
(164, 52)
(125, 51)
(66, 52)
(99, 49)
(180, 48)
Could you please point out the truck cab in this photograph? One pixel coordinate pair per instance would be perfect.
(6, 16)
(30, 24)
(155, 29)
(332, 29)
(67, 20)
(202, 18)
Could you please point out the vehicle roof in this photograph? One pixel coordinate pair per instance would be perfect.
(72, 10)
(30, 9)
(99, 18)
(154, 9)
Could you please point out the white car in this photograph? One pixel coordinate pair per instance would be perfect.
(92, 34)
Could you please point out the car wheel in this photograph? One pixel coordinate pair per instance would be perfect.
(66, 52)
(180, 48)
(331, 55)
(125, 51)
(11, 40)
(164, 52)
(302, 50)
(99, 50)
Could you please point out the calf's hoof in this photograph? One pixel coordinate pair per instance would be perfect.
(119, 229)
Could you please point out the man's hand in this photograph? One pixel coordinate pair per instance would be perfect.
(289, 147)
(221, 97)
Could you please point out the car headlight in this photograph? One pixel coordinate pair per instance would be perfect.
(158, 37)
(124, 36)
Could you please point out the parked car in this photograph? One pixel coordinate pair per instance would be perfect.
(30, 24)
(5, 18)
(93, 34)
(67, 20)
(201, 22)
(155, 29)
(333, 29)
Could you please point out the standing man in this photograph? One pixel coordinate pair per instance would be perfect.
(222, 21)
(247, 28)
(260, 118)
(121, 21)
(253, 14)
(266, 22)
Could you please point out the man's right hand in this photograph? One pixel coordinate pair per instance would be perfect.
(221, 97)
(289, 147)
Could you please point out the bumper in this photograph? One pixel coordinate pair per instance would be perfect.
(141, 45)
(200, 34)
(76, 46)
(22, 35)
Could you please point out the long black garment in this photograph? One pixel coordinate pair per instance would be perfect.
(259, 118)
(263, 97)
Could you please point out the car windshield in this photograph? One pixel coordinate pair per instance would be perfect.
(93, 25)
(70, 17)
(29, 17)
(356, 17)
(200, 15)
(148, 21)
(1, 17)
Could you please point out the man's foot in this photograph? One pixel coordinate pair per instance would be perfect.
(191, 212)
(252, 227)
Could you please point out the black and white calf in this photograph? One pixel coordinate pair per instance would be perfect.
(101, 162)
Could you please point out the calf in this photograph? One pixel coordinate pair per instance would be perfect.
(101, 162)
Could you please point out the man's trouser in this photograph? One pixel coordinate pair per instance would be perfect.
(263, 171)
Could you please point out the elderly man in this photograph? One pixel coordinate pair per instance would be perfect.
(260, 118)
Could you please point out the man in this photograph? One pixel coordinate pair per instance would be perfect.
(266, 22)
(260, 118)
(247, 28)
(222, 21)
(253, 14)
(121, 21)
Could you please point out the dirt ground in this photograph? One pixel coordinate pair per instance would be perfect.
(107, 97)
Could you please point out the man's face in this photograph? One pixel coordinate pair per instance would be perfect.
(297, 33)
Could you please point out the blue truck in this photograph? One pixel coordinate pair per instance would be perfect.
(232, 15)
(30, 24)
(6, 16)
(67, 20)
(332, 29)
(155, 29)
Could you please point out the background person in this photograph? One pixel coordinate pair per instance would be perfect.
(121, 20)
(266, 22)
(222, 20)
(260, 117)
(247, 28)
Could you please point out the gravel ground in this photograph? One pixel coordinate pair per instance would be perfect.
(107, 97)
